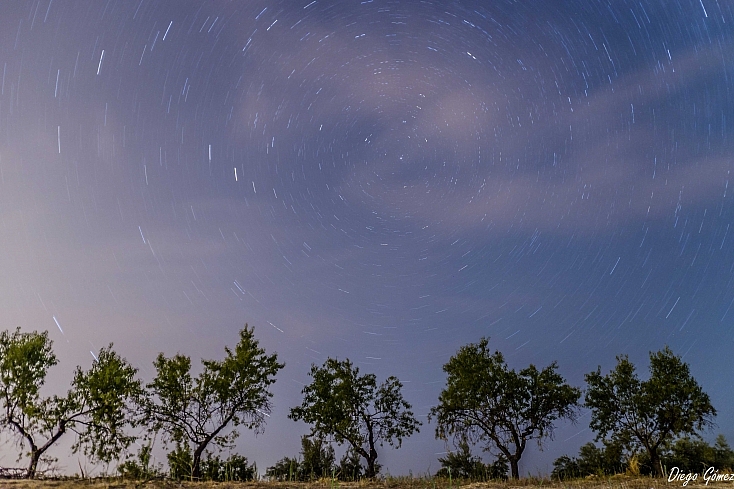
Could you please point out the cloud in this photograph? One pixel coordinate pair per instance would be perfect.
(588, 168)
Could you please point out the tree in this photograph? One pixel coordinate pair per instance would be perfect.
(647, 414)
(486, 402)
(193, 412)
(352, 409)
(96, 408)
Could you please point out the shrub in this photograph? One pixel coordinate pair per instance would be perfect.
(140, 469)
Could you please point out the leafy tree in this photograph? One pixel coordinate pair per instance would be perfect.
(352, 409)
(648, 414)
(96, 407)
(195, 412)
(484, 401)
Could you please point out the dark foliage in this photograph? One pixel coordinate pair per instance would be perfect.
(206, 410)
(141, 469)
(212, 467)
(488, 403)
(285, 470)
(648, 415)
(352, 409)
(592, 460)
(462, 464)
(96, 408)
(689, 455)
(350, 466)
(316, 461)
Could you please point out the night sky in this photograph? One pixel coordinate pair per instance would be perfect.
(379, 180)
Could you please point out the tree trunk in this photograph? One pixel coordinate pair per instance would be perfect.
(33, 464)
(656, 463)
(196, 463)
(371, 470)
(36, 451)
(514, 470)
(370, 473)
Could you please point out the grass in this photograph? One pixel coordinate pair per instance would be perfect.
(615, 482)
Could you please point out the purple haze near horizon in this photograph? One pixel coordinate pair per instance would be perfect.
(379, 180)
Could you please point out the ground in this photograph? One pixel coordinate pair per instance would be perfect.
(617, 482)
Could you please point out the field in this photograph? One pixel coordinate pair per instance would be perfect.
(617, 482)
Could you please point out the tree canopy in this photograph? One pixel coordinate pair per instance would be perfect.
(194, 412)
(648, 414)
(351, 408)
(486, 402)
(96, 408)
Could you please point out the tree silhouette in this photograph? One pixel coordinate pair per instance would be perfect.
(352, 409)
(97, 407)
(648, 414)
(195, 412)
(486, 402)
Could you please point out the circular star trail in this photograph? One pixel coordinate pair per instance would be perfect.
(379, 180)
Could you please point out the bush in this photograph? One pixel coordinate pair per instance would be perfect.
(350, 466)
(180, 463)
(565, 468)
(317, 461)
(234, 468)
(140, 469)
(212, 468)
(285, 469)
(723, 454)
(695, 455)
(463, 465)
(592, 460)
(690, 455)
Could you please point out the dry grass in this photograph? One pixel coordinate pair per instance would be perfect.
(616, 482)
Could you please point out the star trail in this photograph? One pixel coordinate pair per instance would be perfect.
(383, 180)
